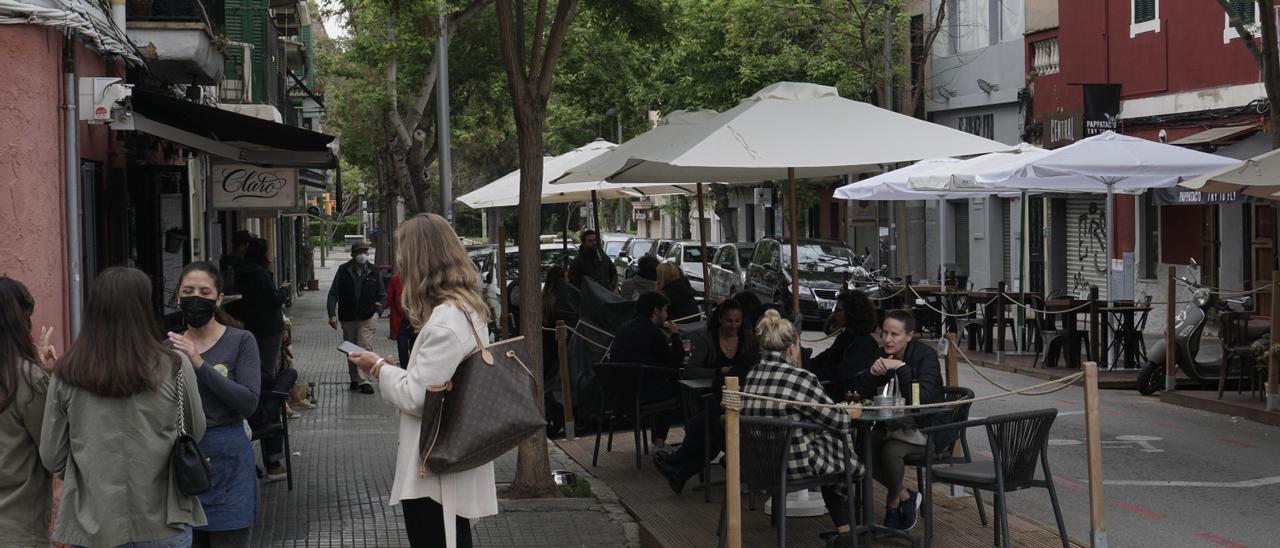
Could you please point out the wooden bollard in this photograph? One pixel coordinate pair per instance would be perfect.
(1093, 444)
(501, 270)
(1170, 335)
(562, 350)
(1094, 327)
(1273, 364)
(953, 378)
(733, 472)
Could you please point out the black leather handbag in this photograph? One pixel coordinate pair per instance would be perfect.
(487, 408)
(191, 470)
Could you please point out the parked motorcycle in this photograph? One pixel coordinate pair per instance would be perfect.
(1188, 328)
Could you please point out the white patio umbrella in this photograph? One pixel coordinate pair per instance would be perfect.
(505, 191)
(1258, 176)
(1108, 162)
(961, 175)
(789, 130)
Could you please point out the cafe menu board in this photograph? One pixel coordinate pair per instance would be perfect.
(244, 186)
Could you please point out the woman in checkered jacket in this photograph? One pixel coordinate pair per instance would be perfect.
(813, 452)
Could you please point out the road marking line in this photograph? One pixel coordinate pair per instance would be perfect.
(1141, 511)
(1069, 413)
(1245, 484)
(1073, 485)
(1167, 425)
(1238, 443)
(1219, 540)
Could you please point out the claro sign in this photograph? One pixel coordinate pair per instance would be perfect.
(243, 186)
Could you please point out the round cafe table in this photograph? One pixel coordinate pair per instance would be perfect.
(863, 425)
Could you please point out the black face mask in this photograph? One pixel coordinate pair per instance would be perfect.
(197, 311)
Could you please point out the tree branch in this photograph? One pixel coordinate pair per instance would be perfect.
(511, 58)
(1245, 35)
(917, 92)
(453, 22)
(393, 112)
(539, 28)
(555, 43)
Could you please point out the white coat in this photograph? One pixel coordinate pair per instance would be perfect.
(440, 347)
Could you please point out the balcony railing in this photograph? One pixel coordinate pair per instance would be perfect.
(1045, 56)
(209, 12)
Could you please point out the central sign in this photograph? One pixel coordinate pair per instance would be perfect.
(244, 186)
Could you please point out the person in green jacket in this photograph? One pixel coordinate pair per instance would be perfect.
(25, 486)
(111, 420)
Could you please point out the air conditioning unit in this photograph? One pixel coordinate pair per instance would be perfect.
(762, 196)
(104, 100)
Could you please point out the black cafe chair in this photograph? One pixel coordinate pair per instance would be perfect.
(766, 448)
(273, 400)
(624, 398)
(945, 445)
(1018, 441)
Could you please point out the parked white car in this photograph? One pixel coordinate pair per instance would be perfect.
(729, 269)
(552, 255)
(688, 256)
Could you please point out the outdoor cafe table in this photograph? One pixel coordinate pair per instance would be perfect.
(1068, 308)
(863, 425)
(1118, 319)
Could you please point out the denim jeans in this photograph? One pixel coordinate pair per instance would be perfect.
(180, 540)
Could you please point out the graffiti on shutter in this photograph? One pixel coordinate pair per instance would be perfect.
(1086, 245)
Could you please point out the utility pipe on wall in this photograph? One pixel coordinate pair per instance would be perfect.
(71, 152)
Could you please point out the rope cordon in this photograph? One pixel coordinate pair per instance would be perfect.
(733, 399)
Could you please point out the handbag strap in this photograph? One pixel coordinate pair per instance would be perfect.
(182, 391)
(484, 352)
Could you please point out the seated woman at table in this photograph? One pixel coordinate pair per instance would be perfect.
(673, 283)
(908, 360)
(812, 452)
(725, 348)
(854, 349)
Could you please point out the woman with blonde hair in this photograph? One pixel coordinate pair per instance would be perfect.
(673, 283)
(441, 299)
(813, 452)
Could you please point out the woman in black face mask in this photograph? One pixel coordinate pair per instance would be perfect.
(227, 370)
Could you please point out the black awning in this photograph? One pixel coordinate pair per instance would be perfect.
(228, 134)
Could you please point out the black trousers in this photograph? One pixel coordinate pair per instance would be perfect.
(691, 456)
(424, 522)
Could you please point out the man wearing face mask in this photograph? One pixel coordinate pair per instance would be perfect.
(355, 299)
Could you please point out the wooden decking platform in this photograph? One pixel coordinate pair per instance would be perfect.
(669, 520)
(1238, 405)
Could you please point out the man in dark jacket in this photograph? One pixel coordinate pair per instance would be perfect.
(649, 339)
(355, 299)
(592, 262)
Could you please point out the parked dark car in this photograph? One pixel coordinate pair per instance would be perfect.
(824, 266)
(633, 250)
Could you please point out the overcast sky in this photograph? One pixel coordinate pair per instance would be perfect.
(332, 23)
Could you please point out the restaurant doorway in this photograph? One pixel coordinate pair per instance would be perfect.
(1262, 253)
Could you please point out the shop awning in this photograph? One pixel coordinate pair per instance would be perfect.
(230, 135)
(1217, 135)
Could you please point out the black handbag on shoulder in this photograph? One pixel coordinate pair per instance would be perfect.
(191, 470)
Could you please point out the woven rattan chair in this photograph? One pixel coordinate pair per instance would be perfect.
(945, 443)
(623, 384)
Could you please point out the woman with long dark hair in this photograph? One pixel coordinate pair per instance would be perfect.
(442, 299)
(117, 389)
(229, 376)
(854, 349)
(24, 483)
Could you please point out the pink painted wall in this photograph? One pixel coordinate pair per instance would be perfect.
(33, 244)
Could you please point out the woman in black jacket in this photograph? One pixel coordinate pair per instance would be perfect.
(261, 305)
(909, 361)
(676, 287)
(854, 349)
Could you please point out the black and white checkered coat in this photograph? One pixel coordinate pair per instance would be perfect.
(813, 452)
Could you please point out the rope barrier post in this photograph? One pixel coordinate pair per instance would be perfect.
(501, 270)
(562, 350)
(1170, 336)
(1094, 331)
(733, 472)
(1000, 323)
(1273, 364)
(953, 378)
(1093, 439)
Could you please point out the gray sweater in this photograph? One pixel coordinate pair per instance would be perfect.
(113, 456)
(25, 486)
(230, 378)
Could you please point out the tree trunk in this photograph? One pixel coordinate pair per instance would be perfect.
(720, 204)
(533, 466)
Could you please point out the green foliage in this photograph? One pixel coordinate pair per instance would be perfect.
(579, 489)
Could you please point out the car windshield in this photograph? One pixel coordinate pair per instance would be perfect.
(744, 257)
(641, 247)
(663, 248)
(612, 248)
(692, 254)
(550, 258)
(823, 258)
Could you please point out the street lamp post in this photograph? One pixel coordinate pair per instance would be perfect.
(616, 115)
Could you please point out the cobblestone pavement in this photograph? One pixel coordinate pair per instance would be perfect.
(344, 454)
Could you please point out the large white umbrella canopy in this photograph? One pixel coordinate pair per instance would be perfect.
(800, 126)
(1107, 162)
(961, 175)
(892, 185)
(505, 191)
(1258, 176)
(671, 127)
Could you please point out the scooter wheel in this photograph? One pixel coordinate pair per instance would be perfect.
(1151, 379)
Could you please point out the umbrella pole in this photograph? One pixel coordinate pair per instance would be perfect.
(795, 261)
(564, 239)
(595, 211)
(702, 236)
(1111, 226)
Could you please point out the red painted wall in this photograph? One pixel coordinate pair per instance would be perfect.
(32, 201)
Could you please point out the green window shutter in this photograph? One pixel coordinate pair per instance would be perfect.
(1144, 10)
(1243, 9)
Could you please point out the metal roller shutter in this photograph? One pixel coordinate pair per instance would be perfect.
(1006, 240)
(1086, 244)
(961, 235)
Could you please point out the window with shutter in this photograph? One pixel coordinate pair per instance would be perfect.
(1144, 10)
(1244, 10)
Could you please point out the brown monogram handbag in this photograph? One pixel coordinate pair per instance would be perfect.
(488, 407)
